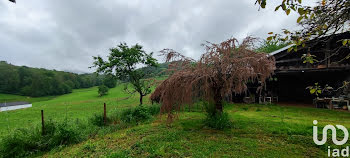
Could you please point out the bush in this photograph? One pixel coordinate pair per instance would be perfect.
(135, 115)
(26, 142)
(218, 121)
(97, 120)
(102, 90)
(214, 119)
(154, 109)
(63, 133)
(18, 144)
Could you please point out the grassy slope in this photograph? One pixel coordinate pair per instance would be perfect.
(259, 131)
(82, 103)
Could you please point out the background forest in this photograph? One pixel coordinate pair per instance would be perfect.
(37, 82)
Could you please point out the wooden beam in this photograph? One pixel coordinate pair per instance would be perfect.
(301, 70)
(288, 60)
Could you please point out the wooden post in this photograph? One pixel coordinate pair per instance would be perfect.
(104, 114)
(42, 122)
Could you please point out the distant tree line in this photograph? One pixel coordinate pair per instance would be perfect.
(37, 82)
(158, 71)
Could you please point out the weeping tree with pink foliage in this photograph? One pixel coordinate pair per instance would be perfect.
(222, 71)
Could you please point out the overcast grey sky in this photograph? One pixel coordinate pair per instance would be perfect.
(65, 34)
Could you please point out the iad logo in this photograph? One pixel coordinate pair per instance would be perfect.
(334, 134)
(332, 152)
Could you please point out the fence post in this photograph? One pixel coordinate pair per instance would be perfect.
(42, 122)
(104, 114)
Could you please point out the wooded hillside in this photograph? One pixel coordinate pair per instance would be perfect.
(37, 82)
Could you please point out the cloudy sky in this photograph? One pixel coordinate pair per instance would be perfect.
(65, 34)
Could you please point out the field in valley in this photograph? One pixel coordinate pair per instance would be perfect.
(258, 130)
(80, 104)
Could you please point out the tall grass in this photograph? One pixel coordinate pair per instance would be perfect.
(25, 142)
(218, 121)
(214, 119)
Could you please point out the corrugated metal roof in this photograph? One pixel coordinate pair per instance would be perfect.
(280, 50)
(13, 104)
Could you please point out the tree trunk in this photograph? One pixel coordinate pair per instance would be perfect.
(218, 101)
(141, 96)
(218, 106)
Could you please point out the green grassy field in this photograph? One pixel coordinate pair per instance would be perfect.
(258, 130)
(81, 104)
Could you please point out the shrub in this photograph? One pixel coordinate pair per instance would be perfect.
(214, 119)
(63, 133)
(18, 144)
(218, 121)
(102, 90)
(97, 120)
(135, 115)
(154, 109)
(26, 142)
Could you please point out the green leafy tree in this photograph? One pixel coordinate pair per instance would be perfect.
(110, 81)
(122, 63)
(10, 81)
(25, 76)
(102, 90)
(270, 46)
(9, 78)
(38, 86)
(318, 22)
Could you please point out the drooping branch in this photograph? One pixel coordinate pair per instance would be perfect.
(224, 69)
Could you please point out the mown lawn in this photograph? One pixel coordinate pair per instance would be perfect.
(259, 131)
